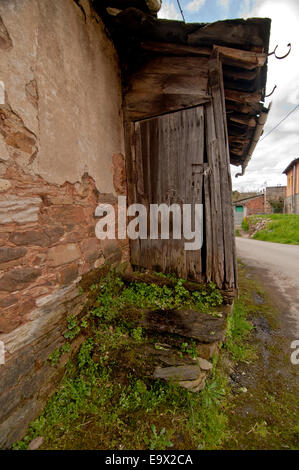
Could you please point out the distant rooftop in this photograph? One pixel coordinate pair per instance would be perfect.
(288, 168)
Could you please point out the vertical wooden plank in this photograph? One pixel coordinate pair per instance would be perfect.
(208, 240)
(194, 181)
(216, 87)
(176, 248)
(234, 280)
(217, 222)
(170, 152)
(137, 178)
(182, 145)
(139, 172)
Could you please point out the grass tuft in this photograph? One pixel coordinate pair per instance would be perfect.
(106, 393)
(281, 228)
(238, 330)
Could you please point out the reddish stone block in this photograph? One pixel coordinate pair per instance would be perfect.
(9, 319)
(63, 254)
(74, 237)
(67, 214)
(11, 253)
(8, 301)
(91, 249)
(27, 306)
(4, 238)
(54, 234)
(39, 259)
(18, 278)
(68, 274)
(41, 238)
(111, 251)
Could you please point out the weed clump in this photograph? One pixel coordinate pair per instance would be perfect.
(104, 397)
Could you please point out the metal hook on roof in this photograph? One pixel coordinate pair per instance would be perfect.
(284, 56)
(274, 88)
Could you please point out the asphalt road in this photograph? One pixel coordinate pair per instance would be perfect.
(278, 268)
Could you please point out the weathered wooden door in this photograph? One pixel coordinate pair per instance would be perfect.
(183, 157)
(169, 167)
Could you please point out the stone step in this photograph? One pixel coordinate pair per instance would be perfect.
(190, 377)
(192, 286)
(162, 361)
(202, 327)
(183, 370)
(153, 278)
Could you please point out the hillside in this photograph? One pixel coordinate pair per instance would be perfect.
(278, 228)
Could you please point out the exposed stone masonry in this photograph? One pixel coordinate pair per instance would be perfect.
(47, 240)
(60, 127)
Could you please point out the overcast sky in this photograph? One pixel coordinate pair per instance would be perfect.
(277, 150)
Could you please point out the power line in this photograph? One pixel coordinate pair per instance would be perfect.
(181, 10)
(280, 122)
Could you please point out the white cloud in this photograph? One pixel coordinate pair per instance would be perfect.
(223, 3)
(195, 5)
(168, 11)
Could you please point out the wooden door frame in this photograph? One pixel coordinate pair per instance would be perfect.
(220, 268)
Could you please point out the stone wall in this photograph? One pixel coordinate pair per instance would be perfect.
(255, 205)
(61, 154)
(274, 194)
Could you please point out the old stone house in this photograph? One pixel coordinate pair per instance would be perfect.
(103, 99)
(270, 201)
(292, 193)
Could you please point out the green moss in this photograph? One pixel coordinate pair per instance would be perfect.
(107, 393)
(238, 330)
(54, 357)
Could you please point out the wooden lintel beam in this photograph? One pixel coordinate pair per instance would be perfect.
(246, 59)
(147, 106)
(175, 49)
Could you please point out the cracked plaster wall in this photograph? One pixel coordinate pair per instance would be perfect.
(62, 80)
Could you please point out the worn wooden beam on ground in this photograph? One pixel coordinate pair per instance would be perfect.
(188, 323)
